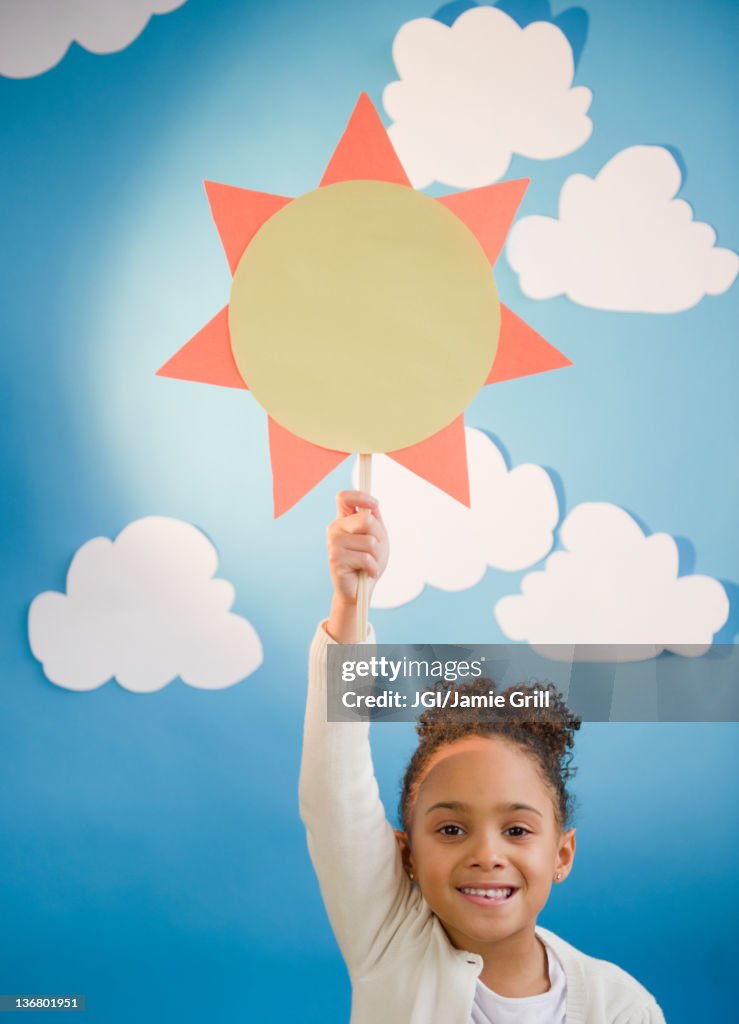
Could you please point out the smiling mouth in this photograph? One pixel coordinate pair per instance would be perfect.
(485, 897)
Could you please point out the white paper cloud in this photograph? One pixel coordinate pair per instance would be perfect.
(144, 609)
(35, 34)
(612, 585)
(437, 541)
(473, 94)
(622, 241)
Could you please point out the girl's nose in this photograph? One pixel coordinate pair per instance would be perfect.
(487, 854)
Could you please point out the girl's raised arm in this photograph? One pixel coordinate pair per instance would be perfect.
(351, 843)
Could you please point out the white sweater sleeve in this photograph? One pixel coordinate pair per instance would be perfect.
(650, 1014)
(351, 843)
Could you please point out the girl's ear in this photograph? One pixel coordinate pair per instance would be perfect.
(405, 850)
(565, 855)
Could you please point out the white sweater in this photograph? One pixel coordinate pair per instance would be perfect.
(403, 968)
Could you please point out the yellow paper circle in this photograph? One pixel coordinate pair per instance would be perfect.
(364, 316)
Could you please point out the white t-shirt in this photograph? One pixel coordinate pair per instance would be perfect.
(546, 1008)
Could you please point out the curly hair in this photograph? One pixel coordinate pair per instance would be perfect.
(546, 735)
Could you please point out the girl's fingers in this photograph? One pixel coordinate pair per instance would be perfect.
(358, 524)
(358, 542)
(357, 538)
(355, 561)
(347, 502)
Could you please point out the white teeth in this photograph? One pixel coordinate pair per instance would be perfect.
(491, 894)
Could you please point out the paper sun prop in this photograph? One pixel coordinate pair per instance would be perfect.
(363, 316)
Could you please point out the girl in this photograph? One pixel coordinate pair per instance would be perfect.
(437, 923)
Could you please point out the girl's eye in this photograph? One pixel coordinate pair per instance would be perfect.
(450, 830)
(517, 831)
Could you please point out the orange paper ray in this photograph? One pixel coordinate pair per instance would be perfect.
(365, 152)
(207, 357)
(441, 459)
(239, 213)
(297, 466)
(521, 351)
(488, 212)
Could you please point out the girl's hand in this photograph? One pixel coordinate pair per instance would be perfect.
(357, 542)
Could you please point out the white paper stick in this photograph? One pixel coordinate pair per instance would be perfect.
(365, 484)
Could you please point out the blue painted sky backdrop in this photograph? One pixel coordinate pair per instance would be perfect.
(153, 838)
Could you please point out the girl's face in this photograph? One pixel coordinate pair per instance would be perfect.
(485, 844)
